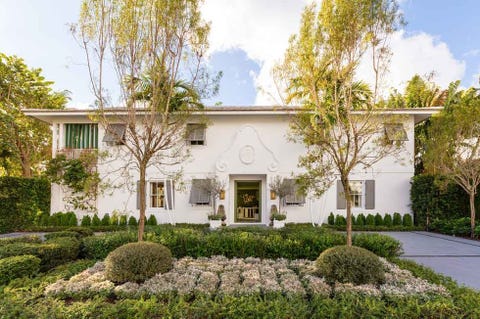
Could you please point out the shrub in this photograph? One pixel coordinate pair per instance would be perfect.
(62, 234)
(32, 239)
(17, 267)
(397, 219)
(381, 245)
(387, 220)
(136, 262)
(407, 220)
(132, 221)
(455, 227)
(81, 231)
(23, 199)
(152, 221)
(360, 221)
(123, 220)
(331, 219)
(96, 220)
(340, 220)
(350, 264)
(56, 219)
(98, 247)
(69, 219)
(378, 220)
(106, 220)
(353, 220)
(114, 220)
(86, 221)
(370, 220)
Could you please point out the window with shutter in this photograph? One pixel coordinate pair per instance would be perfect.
(295, 198)
(196, 134)
(199, 194)
(157, 194)
(115, 134)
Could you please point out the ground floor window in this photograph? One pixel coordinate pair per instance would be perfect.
(157, 194)
(356, 193)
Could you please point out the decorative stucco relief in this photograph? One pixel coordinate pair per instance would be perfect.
(247, 151)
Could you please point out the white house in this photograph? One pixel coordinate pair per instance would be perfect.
(245, 147)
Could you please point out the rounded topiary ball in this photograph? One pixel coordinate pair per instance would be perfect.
(136, 262)
(350, 264)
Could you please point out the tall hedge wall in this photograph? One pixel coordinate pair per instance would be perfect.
(440, 200)
(20, 201)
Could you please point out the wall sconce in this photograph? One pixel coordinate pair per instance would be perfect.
(222, 194)
(273, 195)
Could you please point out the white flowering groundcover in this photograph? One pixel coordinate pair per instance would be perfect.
(219, 275)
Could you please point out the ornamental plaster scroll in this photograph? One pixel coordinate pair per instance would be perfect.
(247, 149)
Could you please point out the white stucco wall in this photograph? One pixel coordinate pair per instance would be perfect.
(245, 147)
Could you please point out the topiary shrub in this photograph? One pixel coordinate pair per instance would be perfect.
(152, 221)
(340, 220)
(96, 220)
(123, 220)
(397, 219)
(353, 220)
(81, 231)
(17, 267)
(370, 220)
(106, 220)
(381, 245)
(98, 247)
(114, 220)
(136, 262)
(387, 220)
(378, 220)
(32, 239)
(132, 221)
(62, 234)
(331, 219)
(407, 220)
(360, 220)
(86, 221)
(69, 219)
(350, 264)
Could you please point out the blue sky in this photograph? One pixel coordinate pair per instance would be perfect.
(247, 38)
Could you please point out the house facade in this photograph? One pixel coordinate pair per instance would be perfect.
(244, 148)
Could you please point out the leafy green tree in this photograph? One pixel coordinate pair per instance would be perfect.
(341, 125)
(25, 143)
(454, 145)
(282, 187)
(157, 49)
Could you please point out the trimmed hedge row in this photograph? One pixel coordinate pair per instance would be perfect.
(22, 200)
(372, 222)
(262, 243)
(53, 252)
(17, 267)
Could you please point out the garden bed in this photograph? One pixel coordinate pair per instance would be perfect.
(219, 276)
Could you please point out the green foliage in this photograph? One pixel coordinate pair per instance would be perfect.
(132, 221)
(81, 231)
(136, 262)
(105, 220)
(98, 247)
(86, 221)
(397, 219)
(387, 220)
(18, 266)
(340, 220)
(407, 220)
(360, 221)
(350, 264)
(378, 220)
(152, 220)
(22, 200)
(62, 234)
(431, 196)
(96, 220)
(455, 227)
(278, 216)
(123, 220)
(370, 220)
(32, 239)
(331, 219)
(114, 220)
(381, 245)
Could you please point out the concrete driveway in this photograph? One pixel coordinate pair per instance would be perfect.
(455, 257)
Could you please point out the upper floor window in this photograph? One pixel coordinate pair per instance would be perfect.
(115, 134)
(81, 136)
(196, 134)
(395, 132)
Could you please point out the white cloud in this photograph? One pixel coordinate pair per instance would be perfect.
(262, 28)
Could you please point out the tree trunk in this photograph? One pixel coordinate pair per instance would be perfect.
(143, 204)
(348, 200)
(472, 213)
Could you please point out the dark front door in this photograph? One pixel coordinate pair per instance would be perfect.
(248, 201)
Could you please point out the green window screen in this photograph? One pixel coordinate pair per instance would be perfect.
(81, 136)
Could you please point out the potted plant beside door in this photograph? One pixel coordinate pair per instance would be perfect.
(215, 220)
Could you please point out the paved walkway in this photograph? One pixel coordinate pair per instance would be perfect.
(455, 257)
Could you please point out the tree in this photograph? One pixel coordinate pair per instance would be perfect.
(157, 49)
(454, 145)
(213, 187)
(25, 143)
(282, 188)
(340, 124)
